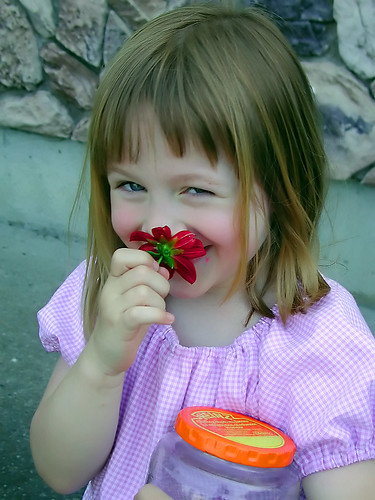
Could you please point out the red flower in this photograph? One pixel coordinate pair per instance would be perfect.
(172, 252)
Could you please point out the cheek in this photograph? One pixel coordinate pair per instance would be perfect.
(219, 228)
(124, 221)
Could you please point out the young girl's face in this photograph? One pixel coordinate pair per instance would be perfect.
(184, 193)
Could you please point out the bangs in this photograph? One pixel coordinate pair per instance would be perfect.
(178, 86)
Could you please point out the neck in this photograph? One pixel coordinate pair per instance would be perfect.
(209, 320)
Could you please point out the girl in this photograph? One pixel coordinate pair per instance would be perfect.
(205, 122)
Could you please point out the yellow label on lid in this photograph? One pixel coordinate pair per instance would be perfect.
(238, 429)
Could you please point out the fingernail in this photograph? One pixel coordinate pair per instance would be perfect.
(155, 265)
(170, 318)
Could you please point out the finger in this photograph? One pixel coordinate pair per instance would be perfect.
(141, 296)
(112, 306)
(144, 316)
(141, 275)
(164, 272)
(124, 259)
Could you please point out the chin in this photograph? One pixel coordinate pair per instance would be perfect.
(181, 289)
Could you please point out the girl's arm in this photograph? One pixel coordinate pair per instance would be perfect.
(72, 431)
(74, 427)
(352, 482)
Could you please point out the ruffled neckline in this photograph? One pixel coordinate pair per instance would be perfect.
(255, 333)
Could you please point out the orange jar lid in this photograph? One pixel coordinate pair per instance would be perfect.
(235, 437)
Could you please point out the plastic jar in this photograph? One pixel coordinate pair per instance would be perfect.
(216, 454)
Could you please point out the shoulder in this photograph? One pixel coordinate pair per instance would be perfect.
(317, 382)
(336, 326)
(333, 320)
(331, 337)
(340, 306)
(60, 320)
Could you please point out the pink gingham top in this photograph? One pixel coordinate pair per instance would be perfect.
(313, 378)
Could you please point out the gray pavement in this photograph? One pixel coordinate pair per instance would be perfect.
(33, 264)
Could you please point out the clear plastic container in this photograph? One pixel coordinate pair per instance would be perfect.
(216, 454)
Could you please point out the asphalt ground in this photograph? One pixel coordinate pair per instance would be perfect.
(33, 265)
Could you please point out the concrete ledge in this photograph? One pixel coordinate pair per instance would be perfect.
(347, 234)
(39, 180)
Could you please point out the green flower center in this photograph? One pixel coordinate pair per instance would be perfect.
(165, 250)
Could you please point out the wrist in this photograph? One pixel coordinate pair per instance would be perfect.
(95, 371)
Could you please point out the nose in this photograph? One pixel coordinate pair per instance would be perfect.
(161, 213)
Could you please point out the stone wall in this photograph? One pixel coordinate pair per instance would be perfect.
(52, 54)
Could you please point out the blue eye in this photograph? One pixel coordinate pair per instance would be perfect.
(132, 187)
(197, 191)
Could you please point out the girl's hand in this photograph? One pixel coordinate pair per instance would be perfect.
(151, 492)
(131, 300)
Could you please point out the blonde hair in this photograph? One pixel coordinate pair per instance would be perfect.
(225, 79)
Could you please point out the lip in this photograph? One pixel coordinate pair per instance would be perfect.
(204, 257)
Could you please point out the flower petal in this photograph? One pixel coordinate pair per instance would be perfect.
(148, 247)
(185, 268)
(141, 236)
(184, 239)
(159, 232)
(196, 251)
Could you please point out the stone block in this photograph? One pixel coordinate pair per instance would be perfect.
(81, 130)
(284, 8)
(348, 117)
(369, 178)
(116, 32)
(20, 66)
(307, 38)
(40, 112)
(81, 28)
(68, 76)
(356, 35)
(41, 15)
(137, 12)
(313, 10)
(317, 10)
